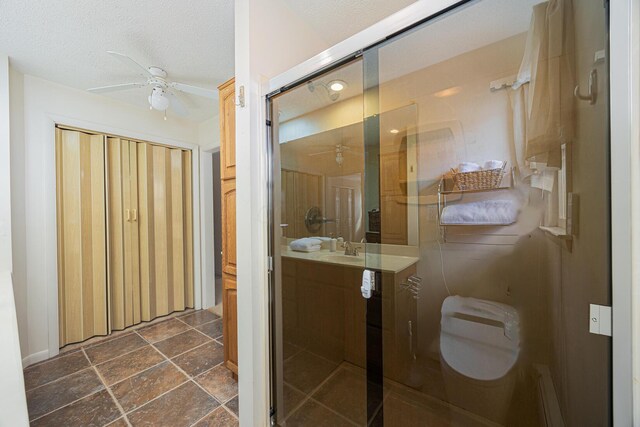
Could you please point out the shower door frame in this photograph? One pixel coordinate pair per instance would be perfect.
(623, 104)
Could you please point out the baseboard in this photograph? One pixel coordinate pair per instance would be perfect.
(35, 358)
(217, 310)
(548, 405)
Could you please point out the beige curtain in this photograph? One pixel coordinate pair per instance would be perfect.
(544, 86)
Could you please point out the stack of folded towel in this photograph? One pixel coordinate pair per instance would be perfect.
(307, 244)
(484, 212)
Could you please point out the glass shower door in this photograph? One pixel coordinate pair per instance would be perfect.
(487, 217)
(319, 325)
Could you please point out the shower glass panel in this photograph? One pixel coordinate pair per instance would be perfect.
(319, 335)
(486, 318)
(464, 180)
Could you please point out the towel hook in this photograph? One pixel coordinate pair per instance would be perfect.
(593, 89)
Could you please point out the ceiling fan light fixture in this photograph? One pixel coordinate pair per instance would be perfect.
(158, 99)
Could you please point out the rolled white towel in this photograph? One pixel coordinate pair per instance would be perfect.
(468, 167)
(493, 164)
(306, 244)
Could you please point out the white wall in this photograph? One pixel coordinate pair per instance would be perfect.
(269, 39)
(209, 133)
(5, 193)
(208, 140)
(13, 403)
(625, 189)
(207, 239)
(37, 105)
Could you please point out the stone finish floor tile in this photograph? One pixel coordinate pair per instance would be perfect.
(181, 343)
(218, 418)
(53, 395)
(212, 329)
(97, 410)
(305, 371)
(147, 385)
(312, 414)
(233, 405)
(130, 364)
(199, 318)
(345, 393)
(200, 359)
(54, 369)
(120, 422)
(162, 330)
(100, 381)
(219, 383)
(180, 407)
(113, 348)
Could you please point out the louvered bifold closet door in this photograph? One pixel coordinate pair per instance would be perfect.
(82, 258)
(124, 264)
(165, 224)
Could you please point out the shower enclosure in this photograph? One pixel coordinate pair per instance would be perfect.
(440, 225)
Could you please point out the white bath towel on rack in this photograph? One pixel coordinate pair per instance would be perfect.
(485, 212)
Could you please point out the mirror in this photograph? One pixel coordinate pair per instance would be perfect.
(323, 179)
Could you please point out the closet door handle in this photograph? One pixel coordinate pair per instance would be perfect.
(135, 215)
(128, 215)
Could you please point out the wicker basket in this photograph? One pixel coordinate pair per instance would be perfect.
(478, 180)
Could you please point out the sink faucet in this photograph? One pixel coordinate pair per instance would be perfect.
(351, 250)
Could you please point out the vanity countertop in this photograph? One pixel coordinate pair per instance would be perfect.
(387, 263)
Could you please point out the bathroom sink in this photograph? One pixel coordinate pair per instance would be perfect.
(338, 258)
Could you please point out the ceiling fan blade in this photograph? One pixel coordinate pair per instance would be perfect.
(177, 105)
(115, 88)
(195, 90)
(142, 71)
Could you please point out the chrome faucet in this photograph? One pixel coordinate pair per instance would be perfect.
(351, 250)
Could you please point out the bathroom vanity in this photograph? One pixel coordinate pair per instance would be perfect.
(325, 312)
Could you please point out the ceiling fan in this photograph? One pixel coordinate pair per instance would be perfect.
(164, 93)
(340, 150)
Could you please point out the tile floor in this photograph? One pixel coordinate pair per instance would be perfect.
(167, 374)
(319, 392)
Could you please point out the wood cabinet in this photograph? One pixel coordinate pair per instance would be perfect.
(324, 312)
(228, 204)
(228, 130)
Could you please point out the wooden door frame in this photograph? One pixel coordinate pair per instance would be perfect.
(49, 235)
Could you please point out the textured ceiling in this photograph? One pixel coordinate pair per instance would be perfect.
(65, 41)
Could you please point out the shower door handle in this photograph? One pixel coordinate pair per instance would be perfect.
(368, 283)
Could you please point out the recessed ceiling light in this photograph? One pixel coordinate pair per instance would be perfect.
(394, 131)
(337, 85)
